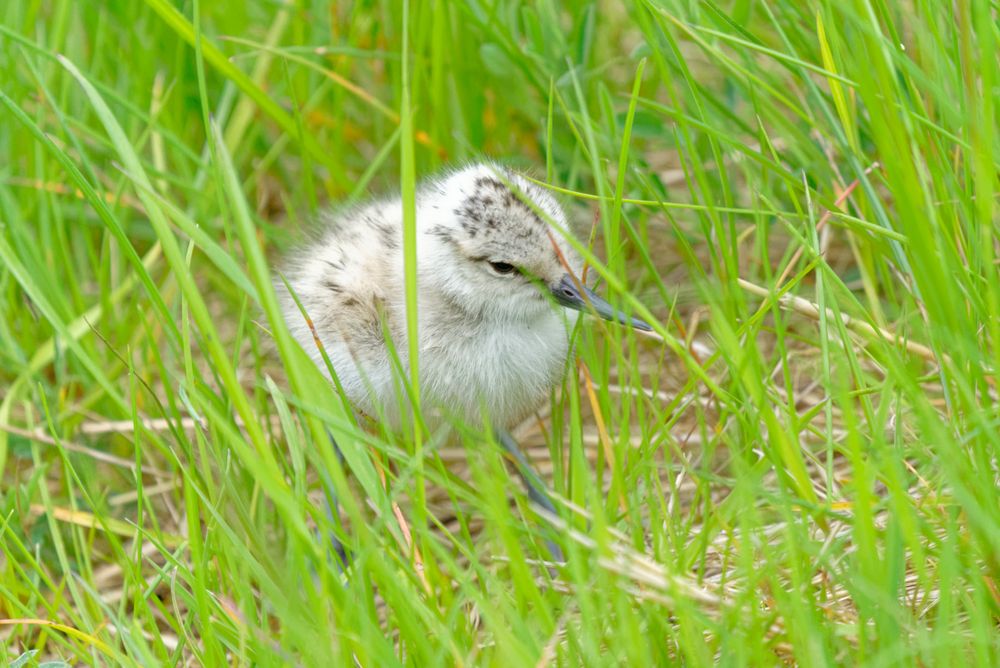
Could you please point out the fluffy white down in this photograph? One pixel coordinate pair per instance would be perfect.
(487, 343)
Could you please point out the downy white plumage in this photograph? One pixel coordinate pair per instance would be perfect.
(489, 264)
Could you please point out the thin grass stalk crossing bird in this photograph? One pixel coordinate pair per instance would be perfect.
(493, 266)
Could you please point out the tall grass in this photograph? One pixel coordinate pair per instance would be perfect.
(800, 466)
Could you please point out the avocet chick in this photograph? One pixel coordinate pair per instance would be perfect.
(490, 264)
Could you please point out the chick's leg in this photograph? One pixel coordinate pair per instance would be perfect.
(537, 491)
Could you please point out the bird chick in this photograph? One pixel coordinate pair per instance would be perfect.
(489, 266)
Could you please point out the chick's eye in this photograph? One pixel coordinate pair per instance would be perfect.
(503, 267)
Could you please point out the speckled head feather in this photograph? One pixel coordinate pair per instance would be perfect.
(485, 215)
(498, 214)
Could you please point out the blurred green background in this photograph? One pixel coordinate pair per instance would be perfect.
(799, 468)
